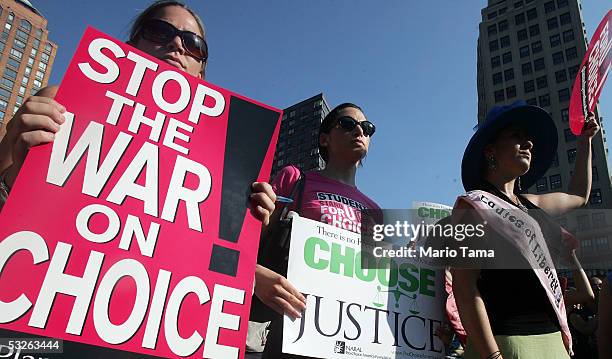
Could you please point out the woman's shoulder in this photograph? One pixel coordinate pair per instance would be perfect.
(285, 179)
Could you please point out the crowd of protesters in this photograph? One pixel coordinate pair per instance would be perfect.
(510, 150)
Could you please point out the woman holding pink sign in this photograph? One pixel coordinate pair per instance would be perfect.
(167, 30)
(516, 312)
(329, 196)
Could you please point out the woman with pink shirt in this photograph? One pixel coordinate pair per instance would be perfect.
(329, 196)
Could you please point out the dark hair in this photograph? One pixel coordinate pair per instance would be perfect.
(329, 122)
(149, 12)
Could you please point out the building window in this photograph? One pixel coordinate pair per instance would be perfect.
(519, 19)
(511, 92)
(542, 184)
(542, 82)
(549, 7)
(497, 78)
(518, 4)
(565, 19)
(38, 33)
(529, 86)
(565, 115)
(7, 83)
(595, 175)
(492, 15)
(544, 100)
(5, 94)
(44, 58)
(16, 54)
(536, 47)
(507, 57)
(532, 101)
(19, 44)
(521, 35)
(499, 96)
(48, 48)
(555, 182)
(492, 30)
(587, 245)
(524, 51)
(557, 58)
(561, 3)
(532, 14)
(495, 61)
(526, 68)
(569, 136)
(504, 41)
(13, 63)
(538, 64)
(564, 95)
(571, 155)
(552, 23)
(596, 196)
(21, 35)
(24, 24)
(573, 71)
(10, 74)
(502, 11)
(561, 76)
(571, 53)
(555, 40)
(534, 30)
(508, 74)
(503, 25)
(568, 35)
(493, 45)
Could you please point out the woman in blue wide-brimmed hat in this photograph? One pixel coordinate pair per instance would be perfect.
(516, 312)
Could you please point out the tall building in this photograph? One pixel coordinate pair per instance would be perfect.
(26, 56)
(532, 50)
(298, 141)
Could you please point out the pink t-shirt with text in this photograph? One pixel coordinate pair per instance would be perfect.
(324, 199)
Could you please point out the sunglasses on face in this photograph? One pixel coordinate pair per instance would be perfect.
(349, 124)
(162, 32)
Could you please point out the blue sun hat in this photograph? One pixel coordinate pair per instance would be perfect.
(535, 120)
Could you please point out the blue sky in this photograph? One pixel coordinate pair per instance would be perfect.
(410, 64)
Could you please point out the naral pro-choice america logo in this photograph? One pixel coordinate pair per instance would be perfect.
(340, 347)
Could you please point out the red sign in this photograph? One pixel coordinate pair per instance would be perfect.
(131, 231)
(591, 76)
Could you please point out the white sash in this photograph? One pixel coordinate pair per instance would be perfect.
(529, 240)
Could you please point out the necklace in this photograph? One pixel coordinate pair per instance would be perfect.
(519, 204)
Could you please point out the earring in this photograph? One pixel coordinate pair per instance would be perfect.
(492, 163)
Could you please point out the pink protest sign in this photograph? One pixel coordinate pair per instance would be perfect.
(591, 76)
(131, 233)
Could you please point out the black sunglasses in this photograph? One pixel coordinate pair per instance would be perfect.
(162, 32)
(348, 123)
